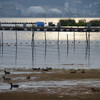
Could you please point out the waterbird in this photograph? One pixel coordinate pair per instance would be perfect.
(46, 69)
(49, 68)
(13, 86)
(36, 68)
(83, 71)
(6, 79)
(28, 77)
(94, 90)
(6, 72)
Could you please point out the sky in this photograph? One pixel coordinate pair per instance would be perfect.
(51, 8)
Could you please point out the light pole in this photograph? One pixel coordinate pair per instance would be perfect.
(44, 18)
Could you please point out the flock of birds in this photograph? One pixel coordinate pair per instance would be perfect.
(46, 69)
(28, 77)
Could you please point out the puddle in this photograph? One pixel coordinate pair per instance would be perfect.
(63, 84)
(53, 86)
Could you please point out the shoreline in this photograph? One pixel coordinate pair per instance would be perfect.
(55, 84)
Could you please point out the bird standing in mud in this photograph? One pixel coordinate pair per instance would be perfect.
(13, 86)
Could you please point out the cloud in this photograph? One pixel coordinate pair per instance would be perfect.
(36, 10)
(54, 11)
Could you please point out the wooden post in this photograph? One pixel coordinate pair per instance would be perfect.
(67, 40)
(58, 39)
(89, 38)
(67, 45)
(2, 38)
(74, 38)
(32, 43)
(58, 26)
(86, 38)
(16, 34)
(45, 38)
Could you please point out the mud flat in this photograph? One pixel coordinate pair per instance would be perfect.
(55, 84)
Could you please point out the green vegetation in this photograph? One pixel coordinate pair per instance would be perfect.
(71, 22)
(68, 22)
(95, 23)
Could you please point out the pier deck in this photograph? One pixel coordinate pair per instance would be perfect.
(62, 29)
(32, 26)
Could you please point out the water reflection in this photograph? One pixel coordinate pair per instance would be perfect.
(58, 54)
(67, 50)
(33, 55)
(87, 54)
(16, 54)
(45, 55)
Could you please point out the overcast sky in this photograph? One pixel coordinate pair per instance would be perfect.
(38, 2)
(58, 8)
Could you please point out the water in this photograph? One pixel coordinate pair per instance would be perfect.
(53, 55)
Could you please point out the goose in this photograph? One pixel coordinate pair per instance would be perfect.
(13, 86)
(7, 79)
(94, 90)
(6, 72)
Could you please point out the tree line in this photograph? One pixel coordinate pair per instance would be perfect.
(71, 22)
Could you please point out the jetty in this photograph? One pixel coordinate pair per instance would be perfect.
(31, 26)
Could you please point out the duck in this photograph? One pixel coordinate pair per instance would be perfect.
(49, 68)
(6, 72)
(36, 68)
(13, 86)
(6, 79)
(46, 69)
(83, 71)
(94, 90)
(28, 77)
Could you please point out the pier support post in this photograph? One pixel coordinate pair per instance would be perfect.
(86, 38)
(67, 45)
(89, 39)
(58, 39)
(2, 38)
(33, 32)
(67, 40)
(45, 38)
(74, 38)
(16, 34)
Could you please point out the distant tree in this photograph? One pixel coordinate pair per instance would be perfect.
(95, 23)
(82, 21)
(68, 22)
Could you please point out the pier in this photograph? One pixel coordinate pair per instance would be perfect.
(30, 26)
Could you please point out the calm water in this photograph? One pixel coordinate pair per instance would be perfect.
(52, 55)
